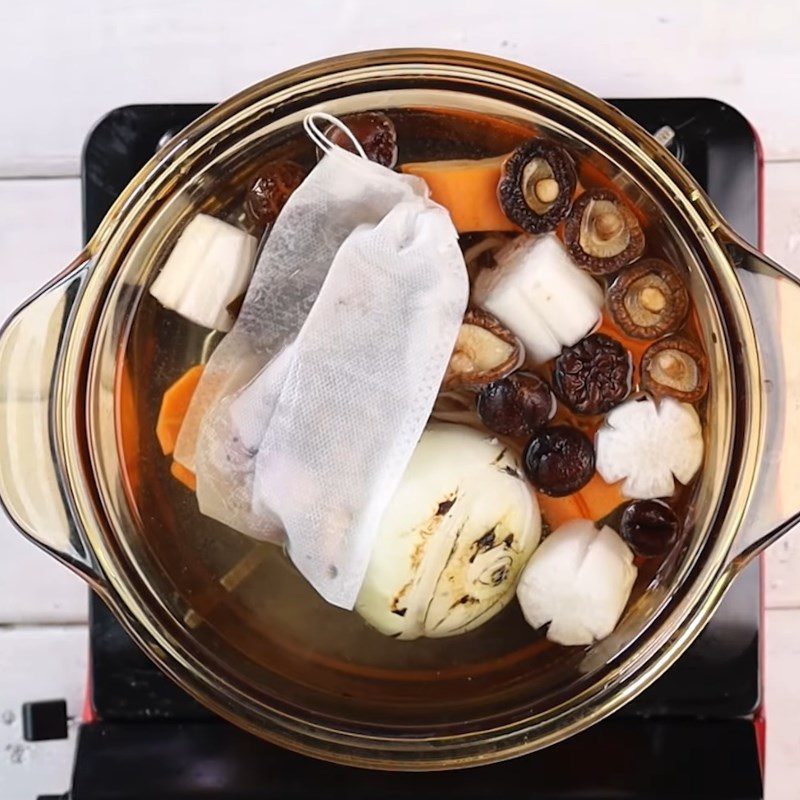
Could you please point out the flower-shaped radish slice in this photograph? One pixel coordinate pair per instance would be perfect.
(649, 445)
(579, 580)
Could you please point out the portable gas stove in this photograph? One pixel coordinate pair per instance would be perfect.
(698, 732)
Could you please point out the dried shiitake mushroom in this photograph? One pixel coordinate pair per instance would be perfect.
(676, 367)
(485, 351)
(374, 131)
(602, 233)
(536, 185)
(648, 299)
(594, 375)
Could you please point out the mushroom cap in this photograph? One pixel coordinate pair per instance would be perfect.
(602, 233)
(536, 185)
(594, 375)
(485, 351)
(675, 367)
(648, 299)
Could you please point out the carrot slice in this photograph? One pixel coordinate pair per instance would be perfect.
(596, 500)
(468, 190)
(174, 406)
(128, 428)
(185, 476)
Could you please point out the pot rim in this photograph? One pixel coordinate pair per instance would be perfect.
(169, 646)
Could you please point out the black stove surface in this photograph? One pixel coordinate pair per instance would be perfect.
(689, 722)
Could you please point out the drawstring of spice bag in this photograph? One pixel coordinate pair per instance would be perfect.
(321, 140)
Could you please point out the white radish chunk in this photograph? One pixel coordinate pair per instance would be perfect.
(208, 268)
(507, 302)
(538, 292)
(579, 581)
(649, 445)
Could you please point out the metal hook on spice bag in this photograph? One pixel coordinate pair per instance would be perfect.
(310, 125)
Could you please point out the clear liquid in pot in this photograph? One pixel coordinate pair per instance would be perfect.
(246, 599)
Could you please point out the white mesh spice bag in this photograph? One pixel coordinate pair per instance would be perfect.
(309, 410)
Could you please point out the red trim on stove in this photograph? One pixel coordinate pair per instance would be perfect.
(760, 182)
(89, 714)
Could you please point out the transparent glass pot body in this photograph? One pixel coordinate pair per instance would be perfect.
(215, 611)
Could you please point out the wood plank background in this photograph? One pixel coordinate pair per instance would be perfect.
(65, 64)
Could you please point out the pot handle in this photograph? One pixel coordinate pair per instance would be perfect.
(773, 297)
(32, 489)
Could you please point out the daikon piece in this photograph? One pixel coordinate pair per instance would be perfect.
(579, 581)
(209, 267)
(649, 445)
(537, 291)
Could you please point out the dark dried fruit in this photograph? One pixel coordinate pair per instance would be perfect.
(559, 460)
(271, 189)
(675, 367)
(517, 405)
(536, 185)
(594, 375)
(650, 527)
(374, 131)
(648, 299)
(602, 233)
(485, 351)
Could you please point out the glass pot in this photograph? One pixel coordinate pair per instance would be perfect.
(215, 610)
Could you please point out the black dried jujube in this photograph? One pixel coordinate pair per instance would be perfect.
(594, 375)
(271, 189)
(559, 460)
(650, 527)
(374, 131)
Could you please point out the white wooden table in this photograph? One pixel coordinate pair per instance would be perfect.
(66, 64)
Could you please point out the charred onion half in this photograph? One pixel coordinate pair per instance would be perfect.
(458, 531)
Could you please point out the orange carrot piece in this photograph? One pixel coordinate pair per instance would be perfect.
(174, 406)
(558, 510)
(185, 476)
(468, 190)
(127, 427)
(596, 500)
